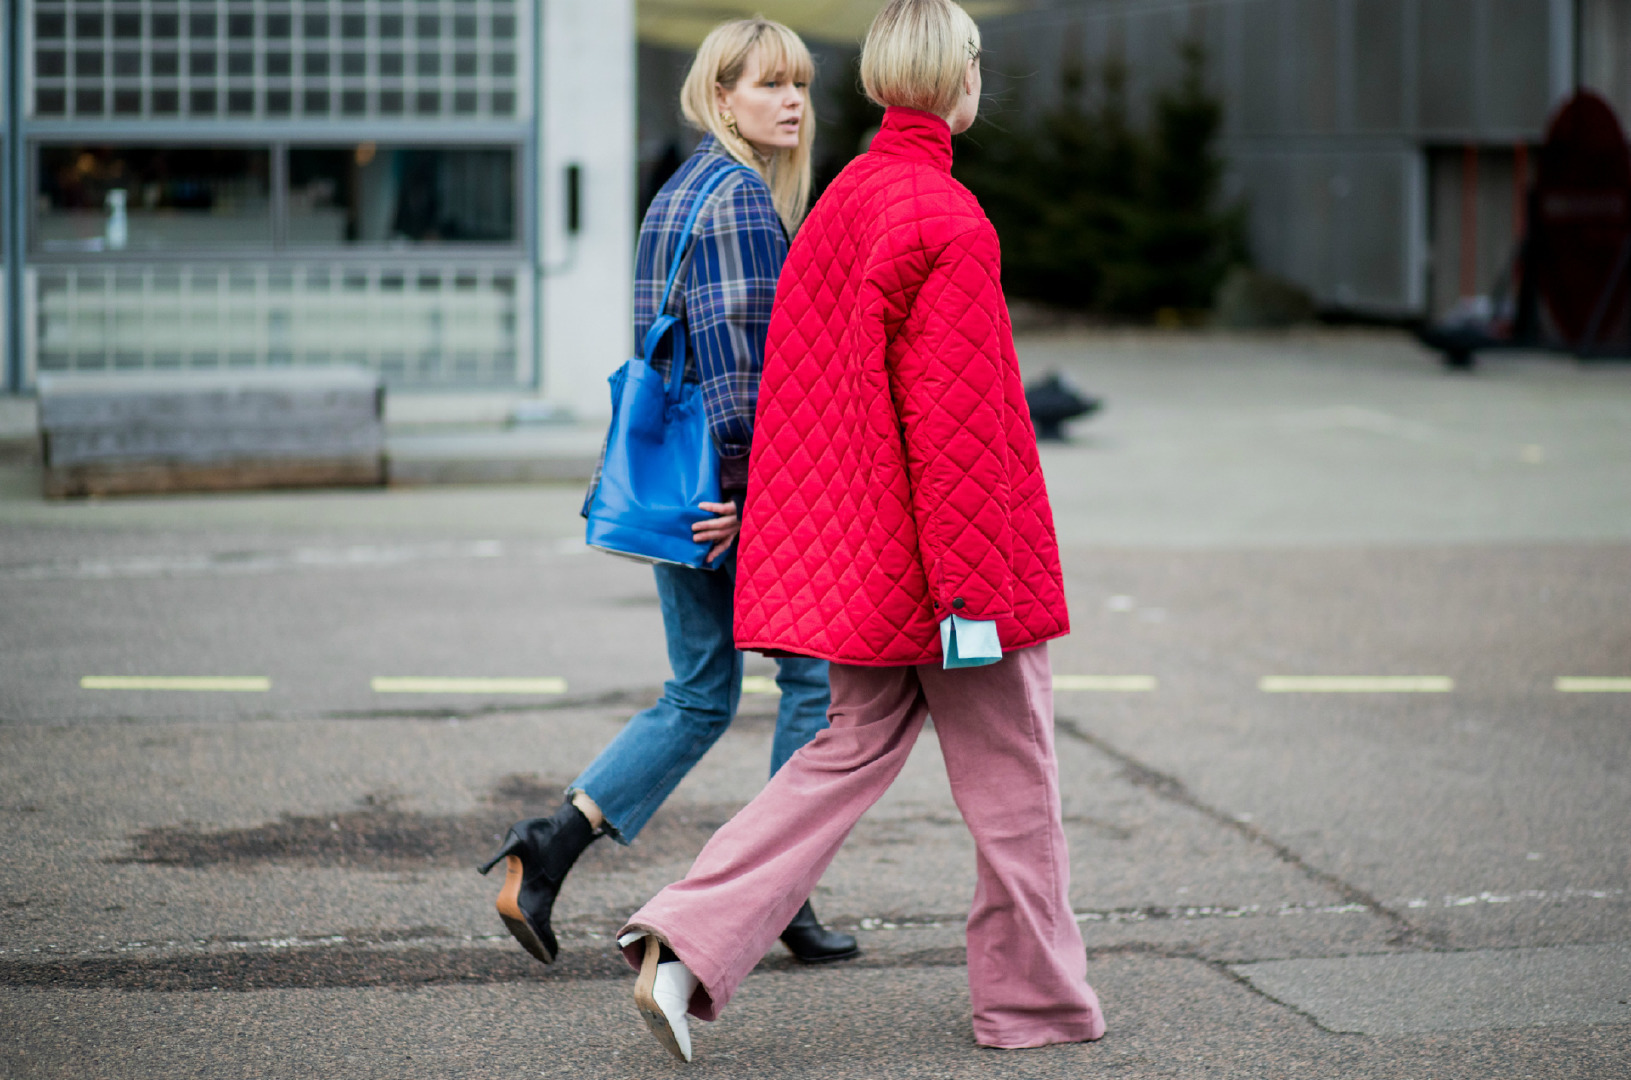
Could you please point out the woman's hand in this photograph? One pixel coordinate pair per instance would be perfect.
(720, 530)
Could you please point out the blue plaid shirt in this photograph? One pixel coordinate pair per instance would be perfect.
(726, 294)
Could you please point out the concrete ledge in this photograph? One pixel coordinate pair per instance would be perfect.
(129, 433)
(24, 451)
(78, 481)
(429, 439)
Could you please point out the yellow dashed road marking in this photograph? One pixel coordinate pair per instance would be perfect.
(1576, 684)
(419, 685)
(764, 684)
(229, 684)
(1111, 683)
(1356, 684)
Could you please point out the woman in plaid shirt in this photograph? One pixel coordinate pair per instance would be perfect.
(748, 92)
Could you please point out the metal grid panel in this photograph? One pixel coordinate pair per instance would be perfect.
(8, 368)
(1515, 91)
(1380, 67)
(1338, 223)
(422, 326)
(1449, 63)
(1375, 273)
(278, 59)
(1317, 58)
(1426, 69)
(1263, 104)
(1151, 38)
(1605, 44)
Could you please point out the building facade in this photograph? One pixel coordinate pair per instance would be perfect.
(445, 190)
(1381, 146)
(419, 187)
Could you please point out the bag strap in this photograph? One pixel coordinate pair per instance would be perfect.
(682, 254)
(687, 233)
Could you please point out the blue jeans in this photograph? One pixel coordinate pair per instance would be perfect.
(657, 747)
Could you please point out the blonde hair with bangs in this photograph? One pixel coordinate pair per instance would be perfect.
(721, 60)
(916, 53)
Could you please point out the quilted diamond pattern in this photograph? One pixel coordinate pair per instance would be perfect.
(894, 469)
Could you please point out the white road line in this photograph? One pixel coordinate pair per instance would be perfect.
(227, 684)
(1153, 913)
(1461, 900)
(1208, 911)
(434, 684)
(1576, 684)
(439, 685)
(234, 563)
(764, 684)
(1355, 684)
(1284, 908)
(1109, 683)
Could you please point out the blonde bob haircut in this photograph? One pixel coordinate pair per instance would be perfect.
(916, 53)
(721, 60)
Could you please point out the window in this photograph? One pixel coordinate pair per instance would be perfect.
(152, 198)
(94, 59)
(368, 194)
(193, 198)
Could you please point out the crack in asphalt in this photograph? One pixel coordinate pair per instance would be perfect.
(316, 966)
(320, 968)
(1224, 969)
(583, 929)
(1174, 790)
(588, 929)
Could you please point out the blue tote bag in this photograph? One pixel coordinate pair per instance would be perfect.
(660, 460)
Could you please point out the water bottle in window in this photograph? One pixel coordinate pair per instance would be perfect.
(118, 228)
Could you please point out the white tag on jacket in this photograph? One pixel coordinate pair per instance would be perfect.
(969, 643)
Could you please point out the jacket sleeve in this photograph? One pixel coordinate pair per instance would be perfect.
(729, 292)
(953, 424)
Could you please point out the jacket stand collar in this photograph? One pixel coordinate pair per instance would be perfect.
(916, 135)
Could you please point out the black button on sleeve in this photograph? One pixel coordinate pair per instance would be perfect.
(957, 604)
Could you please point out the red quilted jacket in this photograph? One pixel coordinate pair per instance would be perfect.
(894, 477)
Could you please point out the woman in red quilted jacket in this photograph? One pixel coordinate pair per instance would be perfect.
(898, 526)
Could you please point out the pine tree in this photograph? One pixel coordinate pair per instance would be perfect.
(1096, 215)
(1187, 238)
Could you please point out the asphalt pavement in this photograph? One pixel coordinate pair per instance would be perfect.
(1344, 729)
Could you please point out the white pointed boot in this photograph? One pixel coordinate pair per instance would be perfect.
(662, 993)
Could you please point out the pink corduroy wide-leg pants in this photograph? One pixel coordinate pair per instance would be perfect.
(1027, 968)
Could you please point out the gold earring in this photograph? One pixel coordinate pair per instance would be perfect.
(729, 120)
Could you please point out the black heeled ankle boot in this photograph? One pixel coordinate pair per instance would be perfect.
(813, 943)
(539, 852)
